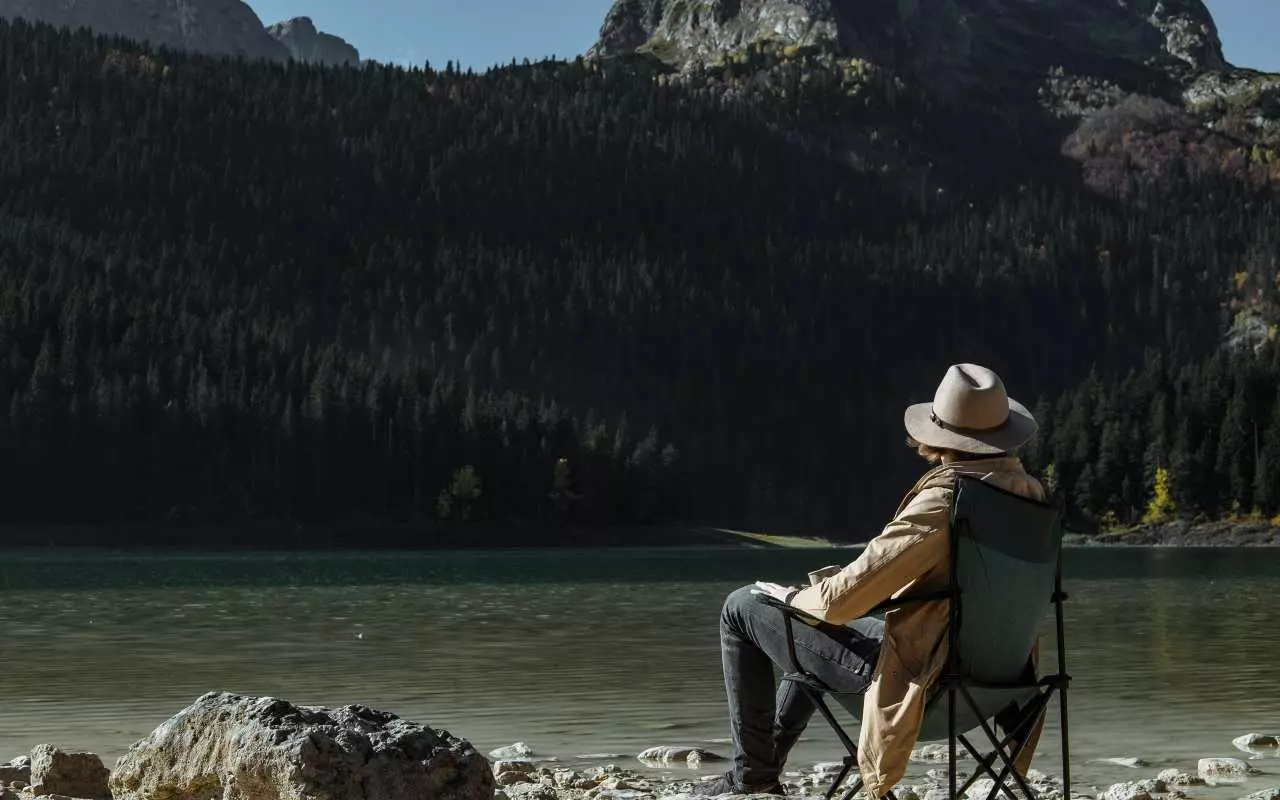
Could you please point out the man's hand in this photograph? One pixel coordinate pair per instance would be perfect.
(775, 591)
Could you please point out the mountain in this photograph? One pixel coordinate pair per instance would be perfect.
(215, 27)
(307, 44)
(949, 44)
(614, 291)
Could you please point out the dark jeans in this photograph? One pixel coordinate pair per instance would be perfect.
(752, 640)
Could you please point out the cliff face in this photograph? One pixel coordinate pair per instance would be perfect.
(221, 27)
(305, 43)
(944, 41)
(215, 27)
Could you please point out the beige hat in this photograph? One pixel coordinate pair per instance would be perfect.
(971, 413)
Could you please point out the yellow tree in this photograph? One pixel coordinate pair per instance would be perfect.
(1162, 506)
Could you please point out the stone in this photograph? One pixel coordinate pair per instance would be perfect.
(1256, 741)
(13, 772)
(1176, 777)
(665, 755)
(232, 747)
(572, 779)
(937, 754)
(510, 778)
(511, 752)
(531, 791)
(942, 776)
(1270, 793)
(306, 44)
(1224, 770)
(512, 766)
(54, 771)
(1125, 791)
(1128, 762)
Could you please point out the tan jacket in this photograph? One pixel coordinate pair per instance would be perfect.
(911, 555)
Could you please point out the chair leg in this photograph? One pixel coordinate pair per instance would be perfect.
(1017, 776)
(844, 772)
(951, 739)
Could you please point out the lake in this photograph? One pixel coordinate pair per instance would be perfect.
(581, 652)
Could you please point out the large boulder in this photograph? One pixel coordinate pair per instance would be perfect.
(54, 771)
(227, 747)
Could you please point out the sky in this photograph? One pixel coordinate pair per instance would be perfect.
(481, 33)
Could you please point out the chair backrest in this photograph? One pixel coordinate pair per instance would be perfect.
(1005, 560)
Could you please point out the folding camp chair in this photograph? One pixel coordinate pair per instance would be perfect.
(1005, 572)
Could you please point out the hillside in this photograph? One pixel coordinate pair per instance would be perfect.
(618, 292)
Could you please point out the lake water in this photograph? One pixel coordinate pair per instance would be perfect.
(1174, 652)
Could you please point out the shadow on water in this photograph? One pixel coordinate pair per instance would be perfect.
(32, 570)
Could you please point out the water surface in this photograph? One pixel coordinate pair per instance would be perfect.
(581, 652)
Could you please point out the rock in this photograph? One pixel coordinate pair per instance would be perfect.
(1125, 791)
(1176, 777)
(261, 748)
(1270, 793)
(217, 27)
(942, 776)
(664, 755)
(1224, 770)
(510, 778)
(939, 42)
(937, 754)
(531, 791)
(511, 752)
(1256, 741)
(306, 44)
(20, 761)
(1125, 761)
(55, 771)
(571, 779)
(13, 772)
(512, 766)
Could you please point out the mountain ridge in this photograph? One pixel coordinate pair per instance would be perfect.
(211, 27)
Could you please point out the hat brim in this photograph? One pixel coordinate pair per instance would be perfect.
(1017, 432)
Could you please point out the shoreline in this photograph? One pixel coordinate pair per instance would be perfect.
(383, 537)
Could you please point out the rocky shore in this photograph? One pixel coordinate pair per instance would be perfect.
(1193, 534)
(230, 747)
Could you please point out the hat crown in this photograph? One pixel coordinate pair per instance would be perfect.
(971, 397)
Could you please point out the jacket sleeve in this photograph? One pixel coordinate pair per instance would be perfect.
(904, 550)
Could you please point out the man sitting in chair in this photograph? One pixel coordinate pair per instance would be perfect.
(970, 428)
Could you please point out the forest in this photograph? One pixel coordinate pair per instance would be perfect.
(583, 295)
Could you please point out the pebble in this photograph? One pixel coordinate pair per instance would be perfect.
(1252, 741)
(1270, 793)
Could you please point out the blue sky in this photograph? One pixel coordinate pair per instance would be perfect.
(480, 33)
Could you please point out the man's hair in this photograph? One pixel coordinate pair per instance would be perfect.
(934, 455)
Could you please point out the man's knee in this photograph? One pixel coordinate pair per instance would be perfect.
(737, 606)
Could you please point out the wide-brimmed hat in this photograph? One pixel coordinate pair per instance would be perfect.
(971, 413)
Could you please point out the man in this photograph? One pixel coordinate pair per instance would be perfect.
(970, 428)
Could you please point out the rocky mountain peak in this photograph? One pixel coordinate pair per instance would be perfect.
(214, 27)
(942, 41)
(305, 43)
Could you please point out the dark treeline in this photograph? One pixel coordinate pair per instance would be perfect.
(559, 292)
(1166, 442)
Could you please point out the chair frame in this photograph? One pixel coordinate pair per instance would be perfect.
(954, 685)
